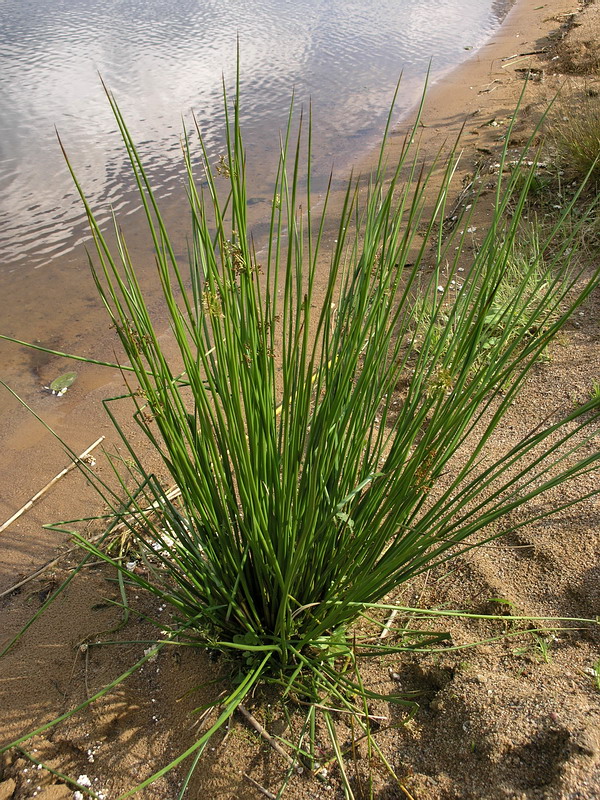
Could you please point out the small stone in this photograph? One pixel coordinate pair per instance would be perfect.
(7, 789)
(57, 791)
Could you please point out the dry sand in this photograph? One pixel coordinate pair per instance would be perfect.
(494, 722)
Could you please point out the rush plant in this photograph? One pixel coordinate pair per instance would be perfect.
(309, 422)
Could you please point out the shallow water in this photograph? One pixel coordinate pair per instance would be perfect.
(163, 58)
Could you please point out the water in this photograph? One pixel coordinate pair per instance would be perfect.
(164, 58)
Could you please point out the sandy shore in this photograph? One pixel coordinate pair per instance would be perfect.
(495, 725)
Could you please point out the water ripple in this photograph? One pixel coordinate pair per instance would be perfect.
(163, 58)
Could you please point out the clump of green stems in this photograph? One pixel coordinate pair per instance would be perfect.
(312, 432)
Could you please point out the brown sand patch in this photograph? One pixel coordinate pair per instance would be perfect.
(577, 52)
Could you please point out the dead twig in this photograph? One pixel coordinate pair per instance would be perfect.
(172, 494)
(50, 484)
(522, 55)
(354, 713)
(267, 736)
(388, 624)
(260, 788)
(49, 565)
(33, 575)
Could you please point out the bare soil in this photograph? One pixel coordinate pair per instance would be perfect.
(518, 718)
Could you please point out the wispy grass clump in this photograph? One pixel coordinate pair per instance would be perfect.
(310, 431)
(523, 284)
(575, 135)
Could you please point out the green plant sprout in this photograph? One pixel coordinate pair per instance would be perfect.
(540, 645)
(502, 601)
(596, 674)
(310, 423)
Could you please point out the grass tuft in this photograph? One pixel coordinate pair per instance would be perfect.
(576, 137)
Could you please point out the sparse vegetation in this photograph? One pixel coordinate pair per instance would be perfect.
(596, 674)
(526, 281)
(539, 646)
(575, 131)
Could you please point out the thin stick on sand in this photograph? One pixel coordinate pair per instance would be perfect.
(267, 736)
(260, 788)
(50, 484)
(31, 577)
(386, 628)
